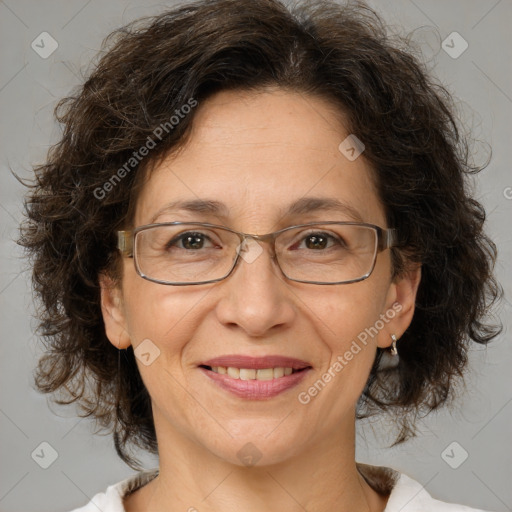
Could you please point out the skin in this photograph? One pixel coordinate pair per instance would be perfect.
(257, 152)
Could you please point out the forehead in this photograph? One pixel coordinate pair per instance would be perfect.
(256, 153)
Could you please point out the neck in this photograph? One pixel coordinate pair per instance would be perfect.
(322, 477)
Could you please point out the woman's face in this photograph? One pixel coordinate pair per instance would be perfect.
(257, 154)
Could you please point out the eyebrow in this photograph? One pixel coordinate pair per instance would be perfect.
(301, 206)
(324, 204)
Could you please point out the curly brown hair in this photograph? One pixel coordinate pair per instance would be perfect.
(152, 67)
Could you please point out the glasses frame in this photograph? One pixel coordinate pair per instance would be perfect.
(386, 238)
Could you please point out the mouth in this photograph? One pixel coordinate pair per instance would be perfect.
(255, 378)
(252, 373)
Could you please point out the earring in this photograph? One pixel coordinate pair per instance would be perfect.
(394, 351)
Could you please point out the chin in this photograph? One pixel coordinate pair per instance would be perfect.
(257, 445)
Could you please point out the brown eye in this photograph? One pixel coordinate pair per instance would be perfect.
(319, 241)
(195, 241)
(189, 240)
(316, 241)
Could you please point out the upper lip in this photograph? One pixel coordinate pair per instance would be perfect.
(249, 362)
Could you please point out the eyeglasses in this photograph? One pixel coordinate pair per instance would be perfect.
(190, 253)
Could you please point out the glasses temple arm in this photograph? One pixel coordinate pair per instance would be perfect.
(388, 238)
(125, 242)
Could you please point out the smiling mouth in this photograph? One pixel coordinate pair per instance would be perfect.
(255, 378)
(253, 373)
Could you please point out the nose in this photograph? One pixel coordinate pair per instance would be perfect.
(256, 297)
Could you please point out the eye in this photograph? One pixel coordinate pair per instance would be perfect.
(190, 241)
(316, 241)
(320, 240)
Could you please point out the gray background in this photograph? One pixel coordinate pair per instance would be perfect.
(29, 88)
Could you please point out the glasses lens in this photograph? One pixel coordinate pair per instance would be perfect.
(185, 253)
(327, 253)
(321, 253)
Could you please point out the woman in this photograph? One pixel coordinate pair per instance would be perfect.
(255, 230)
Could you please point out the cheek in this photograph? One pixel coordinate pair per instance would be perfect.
(352, 350)
(348, 318)
(161, 320)
(347, 310)
(156, 312)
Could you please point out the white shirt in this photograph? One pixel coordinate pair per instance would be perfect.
(406, 495)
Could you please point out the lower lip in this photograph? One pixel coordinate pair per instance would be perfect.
(256, 389)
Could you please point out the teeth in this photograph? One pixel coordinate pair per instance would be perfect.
(278, 372)
(234, 372)
(252, 374)
(247, 374)
(265, 374)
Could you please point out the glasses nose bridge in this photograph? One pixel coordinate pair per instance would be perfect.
(269, 238)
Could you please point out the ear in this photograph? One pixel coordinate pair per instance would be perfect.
(113, 313)
(400, 303)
